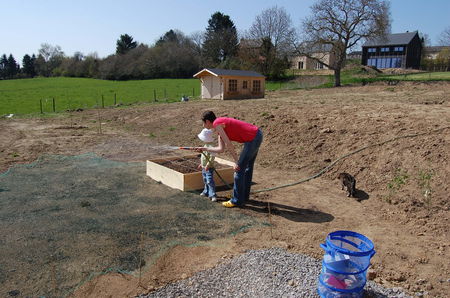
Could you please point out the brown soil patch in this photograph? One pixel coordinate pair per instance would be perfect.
(403, 183)
(185, 165)
(181, 165)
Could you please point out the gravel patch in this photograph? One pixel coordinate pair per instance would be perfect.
(261, 273)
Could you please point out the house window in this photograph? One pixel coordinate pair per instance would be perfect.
(399, 49)
(384, 50)
(244, 84)
(371, 50)
(396, 62)
(256, 86)
(232, 85)
(372, 62)
(385, 62)
(319, 65)
(300, 65)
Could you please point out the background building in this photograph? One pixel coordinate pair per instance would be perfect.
(316, 59)
(400, 50)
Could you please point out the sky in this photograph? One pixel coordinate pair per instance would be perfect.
(94, 26)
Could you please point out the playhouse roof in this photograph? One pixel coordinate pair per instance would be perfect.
(227, 72)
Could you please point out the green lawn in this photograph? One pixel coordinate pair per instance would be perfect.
(354, 77)
(24, 96)
(426, 76)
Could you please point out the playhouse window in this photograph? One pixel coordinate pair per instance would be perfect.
(256, 86)
(232, 85)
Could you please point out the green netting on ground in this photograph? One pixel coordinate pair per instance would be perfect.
(65, 219)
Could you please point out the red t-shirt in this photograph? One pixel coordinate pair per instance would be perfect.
(237, 130)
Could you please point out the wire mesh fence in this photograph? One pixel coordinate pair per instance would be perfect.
(66, 219)
(61, 104)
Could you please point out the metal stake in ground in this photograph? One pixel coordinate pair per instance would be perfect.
(140, 257)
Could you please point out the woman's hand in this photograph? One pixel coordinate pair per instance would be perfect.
(200, 149)
(236, 167)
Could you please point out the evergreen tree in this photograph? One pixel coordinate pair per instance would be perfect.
(125, 43)
(28, 65)
(170, 36)
(221, 40)
(3, 66)
(12, 68)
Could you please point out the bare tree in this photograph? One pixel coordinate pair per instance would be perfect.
(50, 57)
(340, 25)
(444, 39)
(198, 39)
(50, 52)
(273, 24)
(268, 42)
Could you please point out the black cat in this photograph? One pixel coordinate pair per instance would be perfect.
(349, 182)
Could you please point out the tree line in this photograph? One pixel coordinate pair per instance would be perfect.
(173, 55)
(265, 47)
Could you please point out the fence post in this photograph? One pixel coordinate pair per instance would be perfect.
(193, 89)
(103, 102)
(40, 104)
(54, 107)
(115, 100)
(154, 95)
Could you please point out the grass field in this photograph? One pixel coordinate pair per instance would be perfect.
(354, 77)
(426, 76)
(24, 96)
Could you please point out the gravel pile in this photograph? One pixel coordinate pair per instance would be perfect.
(261, 273)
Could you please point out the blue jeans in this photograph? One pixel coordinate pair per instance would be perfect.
(208, 179)
(243, 177)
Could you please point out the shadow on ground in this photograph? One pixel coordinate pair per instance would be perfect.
(289, 212)
(361, 195)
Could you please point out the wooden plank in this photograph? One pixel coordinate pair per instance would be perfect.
(191, 181)
(165, 175)
(224, 161)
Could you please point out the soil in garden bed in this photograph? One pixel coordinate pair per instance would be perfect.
(186, 165)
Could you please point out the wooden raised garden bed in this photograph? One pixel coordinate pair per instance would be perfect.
(182, 173)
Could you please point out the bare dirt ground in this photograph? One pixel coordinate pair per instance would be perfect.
(402, 185)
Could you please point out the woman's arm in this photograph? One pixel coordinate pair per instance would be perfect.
(218, 149)
(224, 140)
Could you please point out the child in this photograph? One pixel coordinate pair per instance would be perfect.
(207, 165)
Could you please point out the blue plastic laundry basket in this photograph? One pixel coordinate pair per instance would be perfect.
(345, 263)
